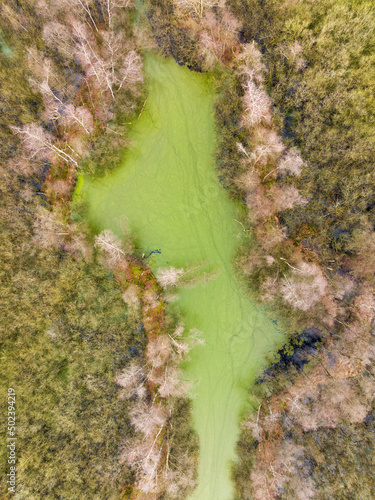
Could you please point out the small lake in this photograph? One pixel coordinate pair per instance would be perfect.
(168, 194)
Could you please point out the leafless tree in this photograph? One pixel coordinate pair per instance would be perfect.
(158, 351)
(49, 232)
(148, 418)
(291, 163)
(252, 65)
(267, 145)
(172, 385)
(111, 69)
(132, 380)
(38, 144)
(58, 37)
(304, 287)
(131, 70)
(218, 38)
(86, 6)
(109, 8)
(257, 105)
(197, 7)
(79, 115)
(111, 245)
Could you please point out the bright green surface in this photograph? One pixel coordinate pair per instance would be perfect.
(4, 47)
(168, 192)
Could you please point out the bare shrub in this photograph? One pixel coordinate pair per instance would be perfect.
(131, 296)
(293, 53)
(25, 166)
(365, 304)
(286, 465)
(363, 245)
(48, 231)
(269, 234)
(131, 379)
(268, 289)
(61, 187)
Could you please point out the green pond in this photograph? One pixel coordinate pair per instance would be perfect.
(169, 196)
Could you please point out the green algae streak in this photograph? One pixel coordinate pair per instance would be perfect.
(169, 195)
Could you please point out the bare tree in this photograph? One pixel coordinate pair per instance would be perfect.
(305, 287)
(109, 8)
(257, 105)
(249, 181)
(38, 143)
(111, 245)
(58, 37)
(49, 232)
(86, 6)
(148, 418)
(79, 115)
(111, 69)
(94, 66)
(131, 70)
(197, 7)
(268, 145)
(131, 296)
(171, 384)
(158, 351)
(132, 380)
(285, 197)
(252, 65)
(218, 38)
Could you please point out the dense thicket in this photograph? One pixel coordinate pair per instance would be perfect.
(65, 334)
(318, 70)
(65, 330)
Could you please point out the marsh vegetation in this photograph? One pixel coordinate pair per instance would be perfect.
(86, 339)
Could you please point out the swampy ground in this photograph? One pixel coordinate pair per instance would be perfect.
(168, 196)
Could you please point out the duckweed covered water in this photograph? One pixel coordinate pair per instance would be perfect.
(169, 196)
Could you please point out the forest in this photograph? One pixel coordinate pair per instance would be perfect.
(86, 340)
